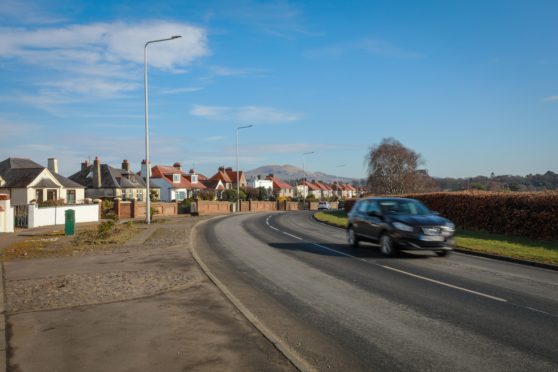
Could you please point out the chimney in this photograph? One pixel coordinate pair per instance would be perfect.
(192, 171)
(97, 173)
(221, 168)
(84, 165)
(53, 165)
(143, 172)
(259, 177)
(125, 165)
(228, 169)
(177, 165)
(271, 175)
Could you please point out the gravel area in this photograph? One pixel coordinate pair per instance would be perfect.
(95, 288)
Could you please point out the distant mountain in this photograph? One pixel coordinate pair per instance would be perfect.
(289, 172)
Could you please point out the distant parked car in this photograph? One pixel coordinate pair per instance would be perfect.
(323, 205)
(398, 223)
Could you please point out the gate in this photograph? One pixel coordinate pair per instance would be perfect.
(21, 215)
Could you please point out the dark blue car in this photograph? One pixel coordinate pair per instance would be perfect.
(399, 224)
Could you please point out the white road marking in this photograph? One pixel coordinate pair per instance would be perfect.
(291, 235)
(342, 253)
(499, 299)
(443, 283)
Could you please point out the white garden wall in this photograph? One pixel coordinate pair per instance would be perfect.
(56, 215)
(6, 215)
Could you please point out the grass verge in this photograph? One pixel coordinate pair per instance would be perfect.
(495, 244)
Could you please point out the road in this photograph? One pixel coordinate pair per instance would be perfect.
(342, 308)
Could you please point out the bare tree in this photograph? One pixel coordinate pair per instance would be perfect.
(392, 168)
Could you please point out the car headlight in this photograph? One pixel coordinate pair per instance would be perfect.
(402, 227)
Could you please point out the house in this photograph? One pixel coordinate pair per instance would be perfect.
(327, 191)
(104, 181)
(258, 182)
(26, 181)
(173, 182)
(197, 180)
(280, 188)
(313, 189)
(215, 186)
(228, 177)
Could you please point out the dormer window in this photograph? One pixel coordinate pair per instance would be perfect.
(194, 178)
(176, 178)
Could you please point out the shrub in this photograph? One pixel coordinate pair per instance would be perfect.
(105, 228)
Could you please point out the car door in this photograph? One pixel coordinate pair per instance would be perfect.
(373, 220)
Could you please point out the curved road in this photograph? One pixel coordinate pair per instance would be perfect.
(343, 308)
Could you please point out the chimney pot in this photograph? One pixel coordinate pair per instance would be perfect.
(221, 168)
(84, 165)
(192, 171)
(126, 165)
(177, 165)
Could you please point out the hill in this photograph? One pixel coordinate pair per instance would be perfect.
(289, 172)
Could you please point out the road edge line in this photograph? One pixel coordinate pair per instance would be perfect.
(300, 363)
(468, 252)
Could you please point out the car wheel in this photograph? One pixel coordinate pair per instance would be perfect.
(442, 253)
(386, 246)
(352, 237)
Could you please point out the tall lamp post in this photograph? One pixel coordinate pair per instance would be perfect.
(304, 181)
(337, 178)
(147, 163)
(237, 171)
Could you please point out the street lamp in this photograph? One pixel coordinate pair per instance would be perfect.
(237, 171)
(337, 178)
(304, 180)
(147, 164)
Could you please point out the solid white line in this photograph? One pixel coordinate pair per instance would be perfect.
(274, 228)
(291, 235)
(444, 284)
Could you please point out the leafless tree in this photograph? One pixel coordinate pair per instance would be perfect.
(392, 169)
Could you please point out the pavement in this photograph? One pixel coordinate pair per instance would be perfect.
(143, 306)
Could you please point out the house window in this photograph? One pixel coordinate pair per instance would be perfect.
(140, 195)
(180, 195)
(70, 196)
(176, 178)
(39, 196)
(51, 195)
(194, 178)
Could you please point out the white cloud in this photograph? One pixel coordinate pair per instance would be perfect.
(551, 98)
(244, 114)
(98, 60)
(179, 90)
(105, 43)
(213, 138)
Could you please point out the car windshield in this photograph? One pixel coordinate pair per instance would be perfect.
(403, 206)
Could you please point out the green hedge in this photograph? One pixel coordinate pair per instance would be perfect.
(528, 214)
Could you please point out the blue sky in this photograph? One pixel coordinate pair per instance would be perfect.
(471, 85)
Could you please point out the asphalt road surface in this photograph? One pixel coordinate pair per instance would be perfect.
(342, 308)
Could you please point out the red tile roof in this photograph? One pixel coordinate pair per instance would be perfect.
(158, 171)
(279, 184)
(311, 186)
(221, 175)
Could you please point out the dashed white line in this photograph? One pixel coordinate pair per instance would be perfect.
(394, 269)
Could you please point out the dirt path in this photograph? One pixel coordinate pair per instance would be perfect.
(143, 306)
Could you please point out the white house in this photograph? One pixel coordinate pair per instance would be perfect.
(26, 181)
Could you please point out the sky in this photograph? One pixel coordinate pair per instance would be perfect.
(470, 85)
